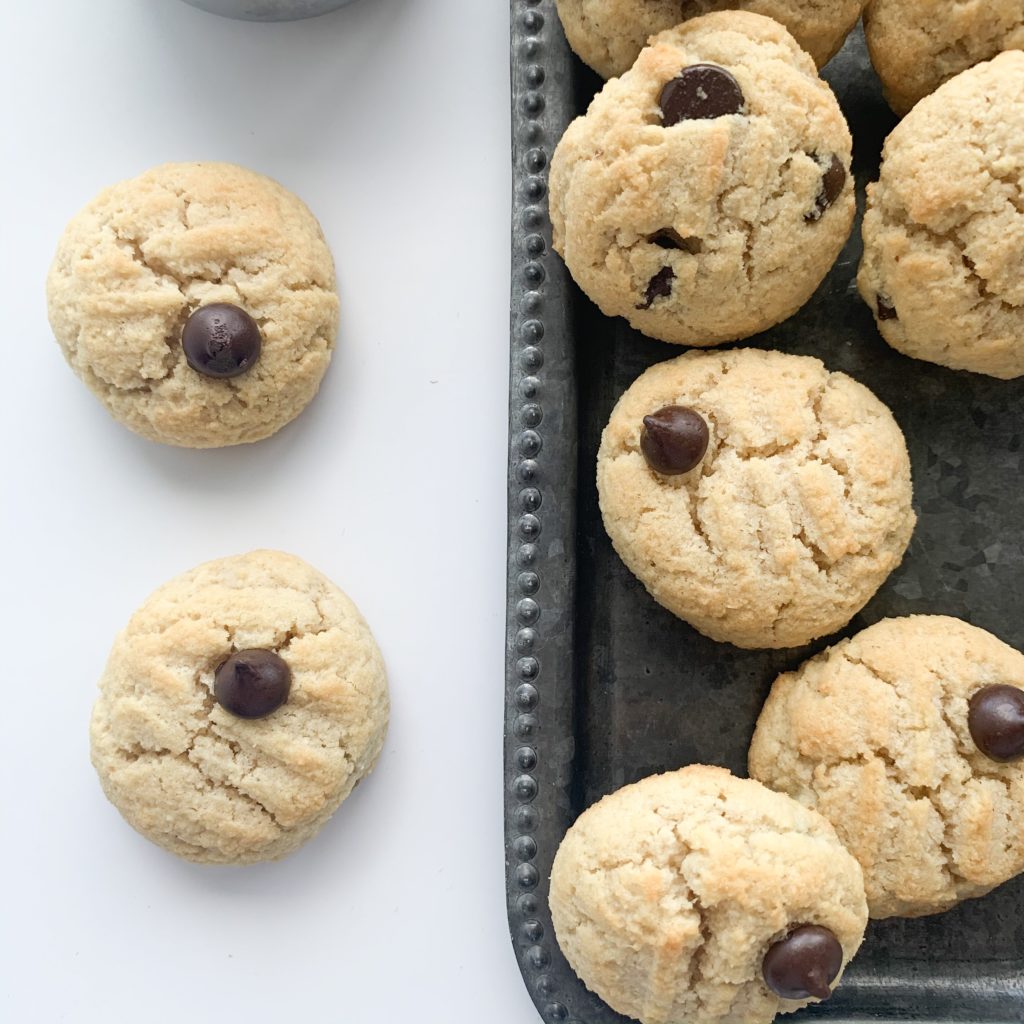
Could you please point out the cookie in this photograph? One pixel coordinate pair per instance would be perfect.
(197, 301)
(705, 193)
(695, 897)
(241, 704)
(895, 736)
(943, 264)
(916, 45)
(609, 34)
(783, 528)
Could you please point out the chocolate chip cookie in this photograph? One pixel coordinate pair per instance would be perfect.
(609, 34)
(241, 704)
(705, 193)
(943, 264)
(909, 738)
(198, 302)
(754, 494)
(698, 898)
(916, 45)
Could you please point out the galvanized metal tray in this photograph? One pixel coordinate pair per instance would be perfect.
(603, 686)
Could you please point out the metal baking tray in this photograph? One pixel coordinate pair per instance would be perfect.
(603, 686)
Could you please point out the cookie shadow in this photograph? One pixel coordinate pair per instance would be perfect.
(245, 471)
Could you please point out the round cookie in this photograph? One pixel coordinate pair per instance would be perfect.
(943, 264)
(793, 517)
(705, 204)
(609, 34)
(139, 260)
(875, 734)
(255, 782)
(916, 45)
(668, 895)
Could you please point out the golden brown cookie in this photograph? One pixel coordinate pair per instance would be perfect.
(943, 264)
(705, 193)
(198, 302)
(894, 735)
(609, 34)
(241, 704)
(683, 899)
(787, 524)
(916, 45)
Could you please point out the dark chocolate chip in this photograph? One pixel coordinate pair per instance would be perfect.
(832, 182)
(252, 684)
(659, 287)
(886, 310)
(221, 340)
(669, 238)
(804, 963)
(995, 716)
(699, 92)
(674, 439)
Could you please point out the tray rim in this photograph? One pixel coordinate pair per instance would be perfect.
(539, 677)
(540, 673)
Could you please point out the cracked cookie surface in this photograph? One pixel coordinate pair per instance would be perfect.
(799, 510)
(192, 777)
(146, 253)
(916, 45)
(943, 264)
(666, 895)
(609, 34)
(712, 228)
(873, 733)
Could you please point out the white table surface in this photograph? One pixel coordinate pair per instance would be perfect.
(390, 118)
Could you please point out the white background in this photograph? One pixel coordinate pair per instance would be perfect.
(390, 118)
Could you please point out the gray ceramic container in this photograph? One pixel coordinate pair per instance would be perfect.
(269, 10)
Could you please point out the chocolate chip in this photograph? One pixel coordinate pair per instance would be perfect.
(995, 717)
(804, 963)
(221, 340)
(832, 182)
(669, 238)
(886, 310)
(674, 440)
(699, 92)
(659, 287)
(252, 684)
